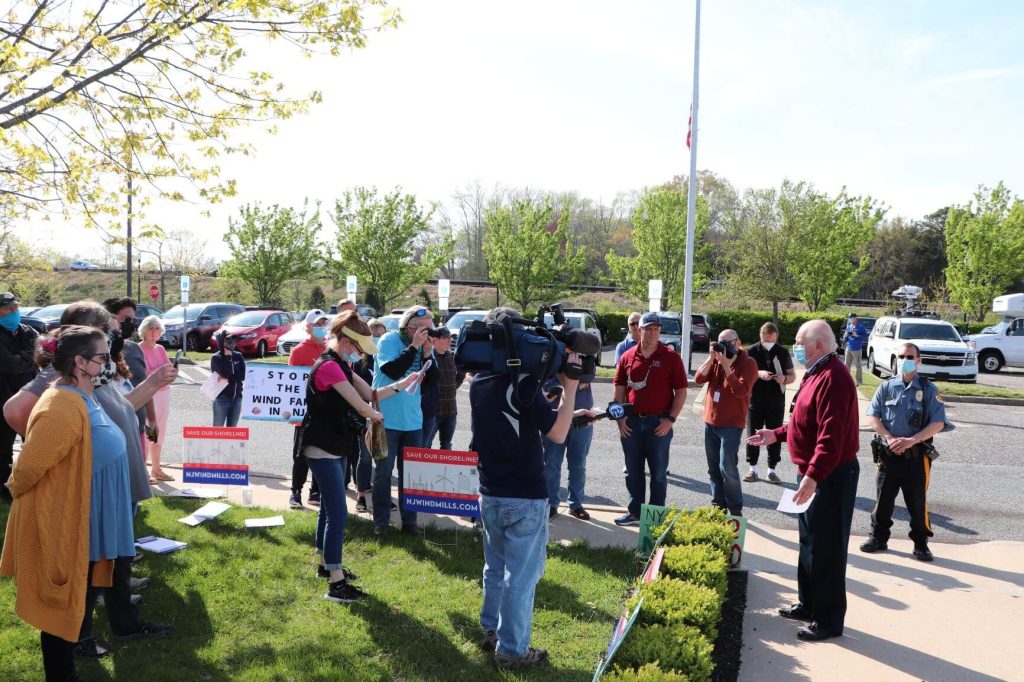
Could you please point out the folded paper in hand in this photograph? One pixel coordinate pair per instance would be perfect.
(213, 385)
(786, 504)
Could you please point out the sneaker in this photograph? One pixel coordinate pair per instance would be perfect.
(342, 592)
(773, 477)
(90, 648)
(361, 504)
(314, 499)
(145, 630)
(295, 501)
(751, 477)
(531, 658)
(580, 513)
(136, 584)
(626, 519)
(322, 572)
(872, 545)
(489, 641)
(552, 512)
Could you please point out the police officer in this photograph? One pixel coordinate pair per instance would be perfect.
(906, 412)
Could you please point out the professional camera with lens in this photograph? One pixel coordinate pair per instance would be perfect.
(727, 349)
(437, 332)
(520, 346)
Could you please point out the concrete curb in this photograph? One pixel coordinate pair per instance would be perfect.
(982, 400)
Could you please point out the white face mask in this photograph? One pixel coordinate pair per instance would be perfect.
(767, 345)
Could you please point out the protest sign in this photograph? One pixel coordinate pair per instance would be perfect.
(622, 628)
(441, 482)
(216, 454)
(275, 393)
(651, 515)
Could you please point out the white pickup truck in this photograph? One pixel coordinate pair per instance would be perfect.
(1002, 344)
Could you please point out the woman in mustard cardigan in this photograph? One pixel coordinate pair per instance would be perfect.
(72, 515)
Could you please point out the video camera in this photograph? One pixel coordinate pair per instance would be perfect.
(520, 346)
(615, 412)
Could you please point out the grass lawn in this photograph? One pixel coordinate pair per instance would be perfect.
(204, 358)
(871, 382)
(246, 605)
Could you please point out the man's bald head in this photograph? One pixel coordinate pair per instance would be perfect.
(817, 339)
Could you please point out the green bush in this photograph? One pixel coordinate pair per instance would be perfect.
(705, 525)
(616, 323)
(747, 323)
(647, 673)
(679, 648)
(697, 564)
(668, 601)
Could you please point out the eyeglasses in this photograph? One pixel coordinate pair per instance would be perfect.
(104, 358)
(907, 357)
(634, 324)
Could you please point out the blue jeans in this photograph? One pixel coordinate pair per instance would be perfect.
(382, 477)
(575, 449)
(226, 410)
(330, 525)
(445, 427)
(722, 447)
(643, 446)
(429, 429)
(364, 468)
(515, 548)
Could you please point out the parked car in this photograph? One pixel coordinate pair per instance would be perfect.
(869, 324)
(365, 311)
(50, 315)
(602, 324)
(258, 332)
(583, 321)
(700, 332)
(202, 321)
(145, 310)
(28, 311)
(35, 323)
(945, 355)
(390, 322)
(461, 318)
(294, 336)
(82, 265)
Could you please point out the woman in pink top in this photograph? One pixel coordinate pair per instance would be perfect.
(152, 329)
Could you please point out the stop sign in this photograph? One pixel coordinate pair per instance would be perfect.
(154, 291)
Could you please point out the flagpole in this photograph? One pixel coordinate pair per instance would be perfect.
(691, 199)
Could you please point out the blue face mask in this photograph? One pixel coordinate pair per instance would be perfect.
(800, 353)
(11, 320)
(908, 366)
(319, 333)
(353, 358)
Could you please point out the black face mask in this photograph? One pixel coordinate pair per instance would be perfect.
(128, 327)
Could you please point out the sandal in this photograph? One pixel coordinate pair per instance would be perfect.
(580, 513)
(163, 476)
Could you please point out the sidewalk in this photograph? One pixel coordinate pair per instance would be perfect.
(957, 619)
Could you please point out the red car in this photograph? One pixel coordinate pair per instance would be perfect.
(257, 331)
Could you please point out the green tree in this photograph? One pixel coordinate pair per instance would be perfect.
(317, 299)
(758, 250)
(659, 238)
(529, 253)
(92, 93)
(984, 248)
(271, 246)
(386, 243)
(826, 241)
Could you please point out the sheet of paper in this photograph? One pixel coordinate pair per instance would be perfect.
(411, 388)
(195, 492)
(161, 545)
(265, 523)
(778, 366)
(787, 505)
(210, 510)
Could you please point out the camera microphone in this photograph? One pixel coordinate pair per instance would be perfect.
(583, 342)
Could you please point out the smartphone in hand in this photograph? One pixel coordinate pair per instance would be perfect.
(177, 358)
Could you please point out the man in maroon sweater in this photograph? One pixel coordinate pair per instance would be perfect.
(730, 375)
(823, 439)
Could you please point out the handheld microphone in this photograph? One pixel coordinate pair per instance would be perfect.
(615, 412)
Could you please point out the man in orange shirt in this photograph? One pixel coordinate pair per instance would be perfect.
(730, 375)
(305, 354)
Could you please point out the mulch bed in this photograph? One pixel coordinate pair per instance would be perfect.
(730, 631)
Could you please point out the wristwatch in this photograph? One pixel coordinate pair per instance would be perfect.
(670, 418)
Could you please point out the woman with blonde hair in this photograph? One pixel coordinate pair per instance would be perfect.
(150, 330)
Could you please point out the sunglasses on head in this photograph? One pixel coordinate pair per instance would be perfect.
(421, 312)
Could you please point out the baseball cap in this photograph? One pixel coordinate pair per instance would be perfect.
(315, 315)
(650, 319)
(7, 298)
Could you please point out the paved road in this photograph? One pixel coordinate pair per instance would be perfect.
(974, 483)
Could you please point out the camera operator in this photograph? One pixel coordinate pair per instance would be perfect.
(730, 375)
(906, 412)
(514, 499)
(652, 377)
(400, 353)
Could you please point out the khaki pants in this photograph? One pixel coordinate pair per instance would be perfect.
(853, 358)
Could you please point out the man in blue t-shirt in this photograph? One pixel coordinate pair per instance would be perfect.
(855, 336)
(400, 353)
(513, 499)
(632, 336)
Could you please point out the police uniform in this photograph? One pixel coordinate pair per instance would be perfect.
(905, 410)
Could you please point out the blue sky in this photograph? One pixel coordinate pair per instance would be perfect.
(914, 103)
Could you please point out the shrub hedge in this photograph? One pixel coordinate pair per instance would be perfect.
(646, 673)
(673, 637)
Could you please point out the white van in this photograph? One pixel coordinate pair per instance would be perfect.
(945, 355)
(1003, 344)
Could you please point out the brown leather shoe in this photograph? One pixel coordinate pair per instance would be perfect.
(580, 513)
